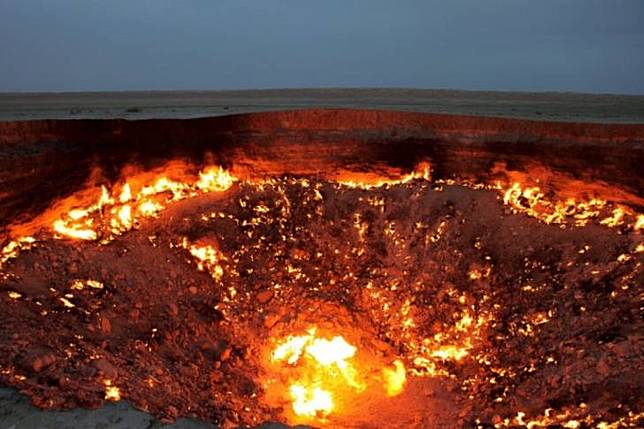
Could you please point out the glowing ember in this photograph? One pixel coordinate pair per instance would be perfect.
(11, 249)
(81, 284)
(207, 258)
(14, 295)
(112, 393)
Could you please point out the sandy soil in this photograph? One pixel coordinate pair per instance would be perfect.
(191, 104)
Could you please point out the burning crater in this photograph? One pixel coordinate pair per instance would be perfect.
(327, 268)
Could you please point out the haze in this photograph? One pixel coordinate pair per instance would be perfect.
(594, 46)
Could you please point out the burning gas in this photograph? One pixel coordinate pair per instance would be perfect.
(326, 375)
(120, 210)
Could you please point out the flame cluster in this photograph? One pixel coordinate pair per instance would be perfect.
(421, 172)
(327, 373)
(570, 418)
(112, 393)
(120, 209)
(532, 201)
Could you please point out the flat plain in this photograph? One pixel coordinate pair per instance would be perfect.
(549, 106)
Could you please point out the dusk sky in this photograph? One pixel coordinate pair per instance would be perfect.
(592, 46)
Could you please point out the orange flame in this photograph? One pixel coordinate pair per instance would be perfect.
(127, 206)
(328, 373)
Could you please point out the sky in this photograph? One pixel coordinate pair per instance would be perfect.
(594, 46)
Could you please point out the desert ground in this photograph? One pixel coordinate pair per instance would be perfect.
(550, 106)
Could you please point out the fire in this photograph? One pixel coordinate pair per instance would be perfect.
(122, 210)
(310, 402)
(639, 223)
(215, 179)
(569, 417)
(395, 378)
(79, 284)
(149, 208)
(207, 257)
(11, 249)
(326, 360)
(126, 194)
(328, 374)
(112, 393)
(75, 231)
(532, 201)
(421, 172)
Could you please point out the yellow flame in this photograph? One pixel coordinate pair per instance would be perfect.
(328, 352)
(149, 208)
(639, 223)
(125, 216)
(531, 201)
(207, 258)
(422, 171)
(292, 348)
(616, 219)
(112, 393)
(395, 378)
(79, 284)
(328, 375)
(311, 401)
(215, 179)
(126, 194)
(11, 249)
(61, 227)
(79, 222)
(327, 364)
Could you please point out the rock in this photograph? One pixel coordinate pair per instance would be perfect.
(225, 355)
(264, 296)
(603, 368)
(43, 361)
(271, 320)
(173, 309)
(106, 368)
(106, 326)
